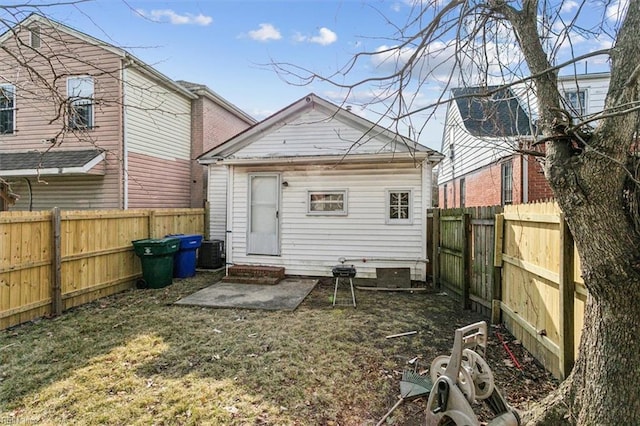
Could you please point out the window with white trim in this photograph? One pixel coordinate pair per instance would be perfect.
(7, 108)
(327, 202)
(576, 101)
(507, 182)
(399, 203)
(34, 37)
(80, 95)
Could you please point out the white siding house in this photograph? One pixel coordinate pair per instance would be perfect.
(485, 127)
(315, 183)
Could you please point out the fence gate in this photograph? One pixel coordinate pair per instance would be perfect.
(485, 277)
(453, 254)
(462, 253)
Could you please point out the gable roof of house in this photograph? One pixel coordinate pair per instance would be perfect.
(130, 59)
(53, 162)
(311, 101)
(491, 112)
(205, 91)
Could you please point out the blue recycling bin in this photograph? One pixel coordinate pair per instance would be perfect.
(184, 261)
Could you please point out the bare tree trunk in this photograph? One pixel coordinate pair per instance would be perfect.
(589, 179)
(603, 386)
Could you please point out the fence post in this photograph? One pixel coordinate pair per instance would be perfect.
(466, 259)
(436, 249)
(567, 288)
(497, 269)
(56, 263)
(152, 223)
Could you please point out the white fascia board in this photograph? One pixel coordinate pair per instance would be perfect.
(210, 160)
(435, 157)
(327, 159)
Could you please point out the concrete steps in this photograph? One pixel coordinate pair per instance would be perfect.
(254, 274)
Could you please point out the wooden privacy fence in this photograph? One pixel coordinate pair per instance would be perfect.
(54, 260)
(543, 296)
(520, 267)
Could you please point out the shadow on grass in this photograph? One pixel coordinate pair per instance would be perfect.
(137, 356)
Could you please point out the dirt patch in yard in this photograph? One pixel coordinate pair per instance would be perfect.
(135, 358)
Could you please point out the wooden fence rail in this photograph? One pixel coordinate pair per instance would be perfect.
(54, 260)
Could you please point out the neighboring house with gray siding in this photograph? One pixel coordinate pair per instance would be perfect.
(86, 125)
(314, 183)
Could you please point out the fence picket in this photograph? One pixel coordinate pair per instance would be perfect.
(54, 260)
(525, 273)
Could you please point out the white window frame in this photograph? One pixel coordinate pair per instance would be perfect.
(345, 203)
(35, 38)
(580, 109)
(12, 109)
(75, 100)
(506, 186)
(396, 221)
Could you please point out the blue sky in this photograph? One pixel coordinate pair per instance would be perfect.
(225, 44)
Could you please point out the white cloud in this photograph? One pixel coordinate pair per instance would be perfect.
(442, 62)
(436, 61)
(261, 114)
(164, 15)
(617, 10)
(568, 6)
(325, 37)
(265, 33)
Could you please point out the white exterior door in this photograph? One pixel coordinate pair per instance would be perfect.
(264, 195)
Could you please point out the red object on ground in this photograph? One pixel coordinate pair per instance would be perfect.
(506, 348)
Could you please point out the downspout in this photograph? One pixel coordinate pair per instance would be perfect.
(427, 175)
(125, 152)
(229, 224)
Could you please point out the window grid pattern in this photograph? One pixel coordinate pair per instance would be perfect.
(399, 205)
(327, 202)
(577, 101)
(80, 94)
(7, 108)
(507, 183)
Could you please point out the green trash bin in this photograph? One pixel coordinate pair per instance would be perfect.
(156, 256)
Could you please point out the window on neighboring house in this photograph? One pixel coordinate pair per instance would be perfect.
(507, 182)
(462, 193)
(327, 202)
(399, 206)
(80, 95)
(34, 37)
(577, 101)
(7, 108)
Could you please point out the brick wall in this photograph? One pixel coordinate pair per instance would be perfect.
(539, 188)
(211, 125)
(484, 187)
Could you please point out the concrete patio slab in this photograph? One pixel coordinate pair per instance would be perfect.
(286, 295)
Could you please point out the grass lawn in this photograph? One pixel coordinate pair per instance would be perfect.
(135, 358)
